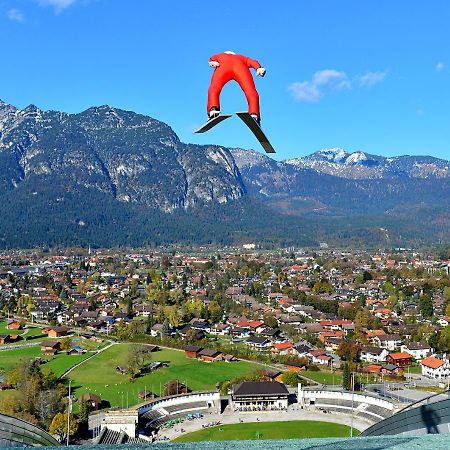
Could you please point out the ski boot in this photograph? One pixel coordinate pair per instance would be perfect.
(213, 112)
(256, 118)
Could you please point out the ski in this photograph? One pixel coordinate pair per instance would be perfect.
(257, 131)
(213, 122)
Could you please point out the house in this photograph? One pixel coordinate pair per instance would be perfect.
(372, 334)
(259, 342)
(13, 325)
(295, 366)
(50, 347)
(373, 354)
(221, 328)
(192, 351)
(390, 369)
(332, 343)
(320, 357)
(272, 375)
(283, 348)
(417, 350)
(210, 355)
(270, 333)
(156, 330)
(259, 396)
(335, 325)
(56, 332)
(374, 368)
(302, 350)
(401, 359)
(77, 350)
(388, 341)
(200, 325)
(435, 368)
(324, 335)
(240, 332)
(94, 401)
(143, 310)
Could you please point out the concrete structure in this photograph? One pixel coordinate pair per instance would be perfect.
(371, 408)
(121, 421)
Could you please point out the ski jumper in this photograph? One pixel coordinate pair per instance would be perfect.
(234, 67)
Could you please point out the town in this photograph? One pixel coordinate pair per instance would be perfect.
(127, 328)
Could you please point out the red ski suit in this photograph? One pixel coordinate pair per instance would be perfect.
(234, 67)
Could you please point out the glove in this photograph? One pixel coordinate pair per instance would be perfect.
(260, 71)
(214, 64)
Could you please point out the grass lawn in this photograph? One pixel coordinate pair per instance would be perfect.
(30, 332)
(414, 369)
(11, 358)
(431, 389)
(324, 377)
(59, 363)
(62, 362)
(269, 430)
(7, 393)
(99, 374)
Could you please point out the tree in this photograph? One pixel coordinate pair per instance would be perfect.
(444, 339)
(270, 321)
(138, 357)
(348, 351)
(426, 306)
(83, 416)
(191, 336)
(195, 307)
(447, 294)
(174, 387)
(165, 330)
(346, 377)
(66, 344)
(215, 312)
(290, 378)
(149, 323)
(59, 428)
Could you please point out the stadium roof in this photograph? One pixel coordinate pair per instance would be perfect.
(428, 442)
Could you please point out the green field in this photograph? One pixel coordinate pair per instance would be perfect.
(29, 332)
(269, 430)
(11, 358)
(99, 375)
(62, 362)
(414, 369)
(59, 363)
(324, 377)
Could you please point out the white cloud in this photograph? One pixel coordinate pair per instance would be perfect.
(440, 66)
(323, 80)
(57, 5)
(331, 78)
(15, 15)
(305, 91)
(371, 78)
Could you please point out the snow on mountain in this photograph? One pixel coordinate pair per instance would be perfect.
(361, 165)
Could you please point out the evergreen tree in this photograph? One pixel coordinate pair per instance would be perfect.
(83, 417)
(165, 328)
(346, 377)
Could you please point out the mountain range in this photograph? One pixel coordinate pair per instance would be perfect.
(110, 177)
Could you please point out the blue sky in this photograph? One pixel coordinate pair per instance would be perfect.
(361, 75)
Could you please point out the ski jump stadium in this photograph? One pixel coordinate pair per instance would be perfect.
(384, 425)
